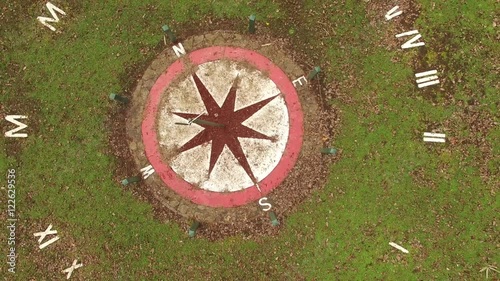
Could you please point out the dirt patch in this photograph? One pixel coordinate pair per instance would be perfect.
(20, 105)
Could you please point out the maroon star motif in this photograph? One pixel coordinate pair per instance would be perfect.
(232, 129)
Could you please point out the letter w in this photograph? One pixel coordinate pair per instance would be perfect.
(20, 126)
(52, 9)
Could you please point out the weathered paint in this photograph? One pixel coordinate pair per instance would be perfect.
(155, 141)
(263, 155)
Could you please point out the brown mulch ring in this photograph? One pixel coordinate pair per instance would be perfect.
(309, 173)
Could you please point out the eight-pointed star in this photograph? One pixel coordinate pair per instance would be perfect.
(232, 129)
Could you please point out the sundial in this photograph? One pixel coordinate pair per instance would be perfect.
(236, 147)
(223, 128)
(217, 124)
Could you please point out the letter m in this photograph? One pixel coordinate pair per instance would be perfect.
(52, 9)
(13, 133)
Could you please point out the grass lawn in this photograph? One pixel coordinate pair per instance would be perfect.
(436, 200)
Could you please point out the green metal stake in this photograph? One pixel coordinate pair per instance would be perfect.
(251, 24)
(169, 33)
(313, 73)
(274, 219)
(118, 98)
(193, 228)
(328, 150)
(131, 180)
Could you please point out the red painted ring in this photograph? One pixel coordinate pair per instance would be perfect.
(273, 179)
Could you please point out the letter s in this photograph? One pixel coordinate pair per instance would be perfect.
(265, 205)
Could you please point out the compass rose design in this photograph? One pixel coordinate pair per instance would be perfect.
(244, 130)
(223, 125)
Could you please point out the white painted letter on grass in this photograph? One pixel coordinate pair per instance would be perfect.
(43, 234)
(147, 171)
(392, 13)
(69, 270)
(432, 137)
(52, 9)
(13, 133)
(411, 43)
(179, 50)
(427, 78)
(398, 247)
(298, 80)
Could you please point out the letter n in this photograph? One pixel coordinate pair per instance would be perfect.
(179, 50)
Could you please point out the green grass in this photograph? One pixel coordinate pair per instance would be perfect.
(387, 186)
